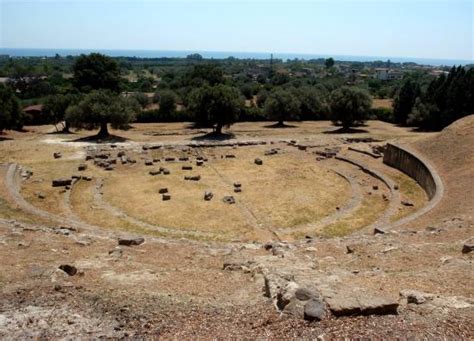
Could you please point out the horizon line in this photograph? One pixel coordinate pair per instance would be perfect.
(328, 55)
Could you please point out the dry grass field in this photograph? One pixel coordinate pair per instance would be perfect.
(290, 190)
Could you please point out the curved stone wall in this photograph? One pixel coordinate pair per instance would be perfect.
(413, 165)
(418, 168)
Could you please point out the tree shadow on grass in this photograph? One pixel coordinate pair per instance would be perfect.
(101, 139)
(4, 138)
(60, 133)
(280, 125)
(346, 131)
(213, 136)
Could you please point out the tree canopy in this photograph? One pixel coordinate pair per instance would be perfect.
(405, 100)
(281, 105)
(349, 106)
(101, 107)
(313, 102)
(446, 99)
(96, 71)
(55, 107)
(11, 116)
(167, 102)
(329, 63)
(215, 106)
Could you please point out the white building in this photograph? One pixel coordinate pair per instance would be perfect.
(385, 74)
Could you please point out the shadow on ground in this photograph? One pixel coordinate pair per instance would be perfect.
(346, 131)
(213, 136)
(100, 139)
(280, 125)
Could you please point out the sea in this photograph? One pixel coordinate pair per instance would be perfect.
(39, 52)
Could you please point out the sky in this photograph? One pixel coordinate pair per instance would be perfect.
(397, 28)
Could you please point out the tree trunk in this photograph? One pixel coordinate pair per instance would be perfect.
(66, 127)
(218, 129)
(280, 123)
(103, 132)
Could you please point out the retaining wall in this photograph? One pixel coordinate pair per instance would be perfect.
(414, 166)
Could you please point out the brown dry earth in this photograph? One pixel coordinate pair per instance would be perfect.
(200, 288)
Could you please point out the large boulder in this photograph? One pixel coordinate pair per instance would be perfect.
(359, 303)
(314, 310)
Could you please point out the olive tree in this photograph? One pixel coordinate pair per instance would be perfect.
(101, 107)
(55, 107)
(215, 106)
(349, 106)
(281, 105)
(11, 116)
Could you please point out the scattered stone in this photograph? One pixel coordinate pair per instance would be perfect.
(314, 310)
(237, 184)
(154, 172)
(415, 297)
(187, 168)
(26, 174)
(82, 167)
(375, 187)
(208, 196)
(361, 304)
(169, 159)
(102, 156)
(166, 197)
(270, 152)
(199, 162)
(116, 253)
(131, 241)
(87, 178)
(378, 230)
(258, 162)
(57, 155)
(237, 190)
(229, 200)
(165, 171)
(268, 246)
(302, 147)
(62, 182)
(40, 195)
(234, 265)
(184, 158)
(163, 190)
(395, 187)
(230, 156)
(69, 269)
(468, 246)
(407, 203)
(193, 178)
(278, 251)
(148, 162)
(109, 168)
(121, 153)
(350, 249)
